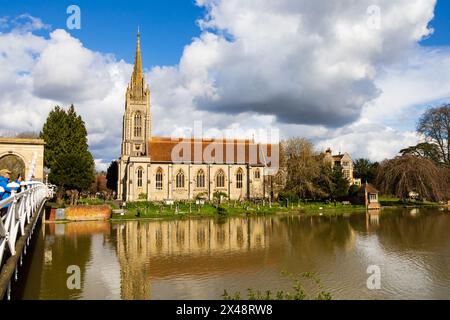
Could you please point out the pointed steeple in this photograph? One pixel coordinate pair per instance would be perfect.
(137, 79)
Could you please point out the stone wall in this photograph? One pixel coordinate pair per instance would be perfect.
(252, 183)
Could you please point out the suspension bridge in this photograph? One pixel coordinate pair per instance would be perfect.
(24, 208)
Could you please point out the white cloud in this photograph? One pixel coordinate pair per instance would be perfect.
(301, 61)
(306, 67)
(310, 68)
(66, 71)
(23, 23)
(26, 22)
(413, 82)
(368, 140)
(39, 73)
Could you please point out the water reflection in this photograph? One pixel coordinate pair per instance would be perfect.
(161, 249)
(372, 220)
(63, 245)
(197, 259)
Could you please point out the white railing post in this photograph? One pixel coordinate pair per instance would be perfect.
(21, 207)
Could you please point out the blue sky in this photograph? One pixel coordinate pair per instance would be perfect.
(441, 25)
(110, 26)
(167, 26)
(307, 68)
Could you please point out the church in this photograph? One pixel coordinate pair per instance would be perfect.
(168, 169)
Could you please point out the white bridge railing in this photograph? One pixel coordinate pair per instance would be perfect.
(21, 208)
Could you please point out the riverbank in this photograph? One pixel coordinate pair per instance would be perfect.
(185, 210)
(148, 210)
(386, 201)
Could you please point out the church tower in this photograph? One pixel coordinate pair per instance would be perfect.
(137, 118)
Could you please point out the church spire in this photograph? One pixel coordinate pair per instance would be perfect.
(137, 79)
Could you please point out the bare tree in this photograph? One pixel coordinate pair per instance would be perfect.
(435, 126)
(274, 184)
(408, 173)
(303, 167)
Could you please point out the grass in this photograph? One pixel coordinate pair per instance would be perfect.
(314, 208)
(96, 202)
(184, 209)
(143, 210)
(391, 201)
(153, 210)
(299, 292)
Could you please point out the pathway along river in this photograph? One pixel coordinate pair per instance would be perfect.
(199, 258)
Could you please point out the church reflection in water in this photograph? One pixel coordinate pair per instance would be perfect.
(199, 258)
(156, 250)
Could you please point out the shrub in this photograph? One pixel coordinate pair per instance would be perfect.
(142, 196)
(221, 210)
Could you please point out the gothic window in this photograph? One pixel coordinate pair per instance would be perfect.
(200, 179)
(159, 179)
(180, 179)
(220, 179)
(257, 174)
(239, 179)
(138, 125)
(139, 177)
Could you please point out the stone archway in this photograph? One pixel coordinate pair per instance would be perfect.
(13, 163)
(29, 151)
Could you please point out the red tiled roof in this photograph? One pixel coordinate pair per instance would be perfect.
(189, 150)
(368, 187)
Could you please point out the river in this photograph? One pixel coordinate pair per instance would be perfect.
(199, 258)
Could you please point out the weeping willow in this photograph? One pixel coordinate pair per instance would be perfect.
(405, 174)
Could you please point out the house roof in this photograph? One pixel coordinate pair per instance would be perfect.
(368, 187)
(189, 150)
(338, 157)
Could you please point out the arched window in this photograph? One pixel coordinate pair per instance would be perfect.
(159, 179)
(138, 124)
(200, 179)
(257, 174)
(180, 179)
(140, 172)
(239, 179)
(220, 179)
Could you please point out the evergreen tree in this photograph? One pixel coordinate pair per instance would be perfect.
(365, 170)
(72, 171)
(426, 150)
(340, 184)
(112, 174)
(353, 190)
(66, 152)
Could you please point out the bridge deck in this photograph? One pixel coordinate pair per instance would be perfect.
(16, 229)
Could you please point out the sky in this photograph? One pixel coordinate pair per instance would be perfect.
(353, 75)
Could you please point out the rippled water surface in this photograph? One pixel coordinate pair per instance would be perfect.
(198, 259)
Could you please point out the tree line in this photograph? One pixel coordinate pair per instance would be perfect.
(304, 173)
(423, 169)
